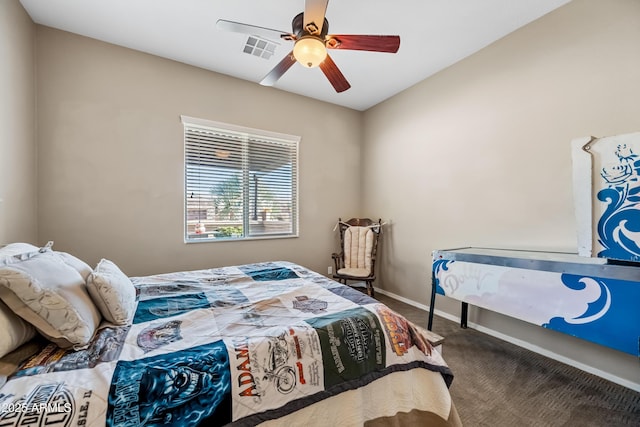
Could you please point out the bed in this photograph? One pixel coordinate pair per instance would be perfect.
(260, 344)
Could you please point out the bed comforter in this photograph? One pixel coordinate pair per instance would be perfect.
(259, 344)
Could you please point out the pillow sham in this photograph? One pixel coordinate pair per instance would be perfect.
(51, 295)
(13, 330)
(113, 293)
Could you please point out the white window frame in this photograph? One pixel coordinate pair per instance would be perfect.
(245, 136)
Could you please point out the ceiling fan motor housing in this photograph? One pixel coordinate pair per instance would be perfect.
(297, 25)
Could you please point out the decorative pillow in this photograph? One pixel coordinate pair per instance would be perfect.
(13, 330)
(51, 295)
(113, 293)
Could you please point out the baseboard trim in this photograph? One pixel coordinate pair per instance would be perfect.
(524, 344)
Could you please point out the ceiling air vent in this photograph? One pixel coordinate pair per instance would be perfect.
(259, 47)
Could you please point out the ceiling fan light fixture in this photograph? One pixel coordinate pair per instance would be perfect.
(309, 51)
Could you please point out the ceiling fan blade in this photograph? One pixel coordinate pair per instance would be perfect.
(279, 70)
(252, 30)
(389, 44)
(314, 11)
(333, 73)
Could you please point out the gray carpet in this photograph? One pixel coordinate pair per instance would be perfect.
(500, 384)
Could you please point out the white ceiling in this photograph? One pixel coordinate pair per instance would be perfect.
(434, 35)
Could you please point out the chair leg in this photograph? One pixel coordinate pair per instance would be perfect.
(370, 291)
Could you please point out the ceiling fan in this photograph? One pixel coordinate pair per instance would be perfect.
(310, 34)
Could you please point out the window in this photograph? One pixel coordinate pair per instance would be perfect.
(240, 183)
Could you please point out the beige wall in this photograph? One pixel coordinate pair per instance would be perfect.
(479, 154)
(17, 125)
(111, 157)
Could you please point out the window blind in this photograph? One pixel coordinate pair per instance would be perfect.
(239, 182)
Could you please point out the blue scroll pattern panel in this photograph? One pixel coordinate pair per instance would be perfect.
(440, 265)
(619, 225)
(601, 310)
(613, 319)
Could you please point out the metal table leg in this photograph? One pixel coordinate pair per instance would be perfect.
(464, 314)
(433, 300)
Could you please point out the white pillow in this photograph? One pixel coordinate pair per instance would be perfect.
(113, 293)
(15, 249)
(79, 265)
(51, 295)
(13, 330)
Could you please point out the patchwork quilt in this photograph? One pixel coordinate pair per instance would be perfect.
(242, 345)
